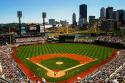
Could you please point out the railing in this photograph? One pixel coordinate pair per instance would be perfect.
(4, 80)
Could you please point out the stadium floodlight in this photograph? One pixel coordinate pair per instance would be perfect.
(19, 15)
(44, 16)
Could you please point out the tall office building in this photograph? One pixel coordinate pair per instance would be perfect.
(83, 13)
(52, 22)
(64, 23)
(91, 19)
(121, 15)
(74, 23)
(109, 13)
(115, 15)
(124, 19)
(102, 12)
(80, 22)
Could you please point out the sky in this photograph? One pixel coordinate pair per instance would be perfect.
(56, 9)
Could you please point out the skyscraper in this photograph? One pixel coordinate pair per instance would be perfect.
(52, 22)
(74, 23)
(124, 19)
(80, 22)
(91, 19)
(121, 14)
(102, 12)
(115, 15)
(83, 11)
(109, 13)
(83, 14)
(64, 22)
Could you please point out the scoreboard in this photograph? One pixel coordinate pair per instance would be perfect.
(33, 28)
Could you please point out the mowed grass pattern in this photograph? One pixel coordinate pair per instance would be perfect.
(97, 52)
(67, 63)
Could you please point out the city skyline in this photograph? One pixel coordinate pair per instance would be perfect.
(55, 9)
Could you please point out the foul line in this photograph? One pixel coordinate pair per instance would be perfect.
(61, 70)
(41, 66)
(73, 67)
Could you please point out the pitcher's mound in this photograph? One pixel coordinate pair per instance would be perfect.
(59, 63)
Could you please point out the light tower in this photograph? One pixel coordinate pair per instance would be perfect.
(44, 16)
(19, 15)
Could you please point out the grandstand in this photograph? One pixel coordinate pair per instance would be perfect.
(9, 71)
(112, 72)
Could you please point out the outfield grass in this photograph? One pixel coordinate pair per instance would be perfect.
(93, 51)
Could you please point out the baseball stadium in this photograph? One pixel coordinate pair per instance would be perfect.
(67, 58)
(56, 51)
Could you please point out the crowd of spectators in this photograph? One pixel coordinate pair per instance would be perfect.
(8, 67)
(111, 39)
(112, 72)
(84, 40)
(9, 70)
(31, 40)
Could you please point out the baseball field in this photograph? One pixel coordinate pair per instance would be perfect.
(59, 62)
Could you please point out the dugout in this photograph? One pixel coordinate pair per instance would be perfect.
(66, 38)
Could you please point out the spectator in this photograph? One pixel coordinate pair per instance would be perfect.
(112, 72)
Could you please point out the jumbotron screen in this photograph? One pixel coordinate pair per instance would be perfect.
(32, 28)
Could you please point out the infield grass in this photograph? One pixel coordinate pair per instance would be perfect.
(67, 63)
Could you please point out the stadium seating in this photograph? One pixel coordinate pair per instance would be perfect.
(32, 40)
(112, 72)
(108, 39)
(111, 39)
(9, 70)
